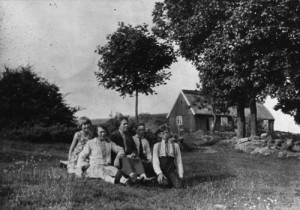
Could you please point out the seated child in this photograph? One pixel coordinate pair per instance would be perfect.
(131, 165)
(167, 161)
(99, 150)
(79, 140)
(143, 150)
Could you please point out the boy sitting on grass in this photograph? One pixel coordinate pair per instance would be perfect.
(167, 161)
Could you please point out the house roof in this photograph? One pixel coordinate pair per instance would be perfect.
(263, 112)
(200, 105)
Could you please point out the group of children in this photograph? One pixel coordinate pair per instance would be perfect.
(121, 158)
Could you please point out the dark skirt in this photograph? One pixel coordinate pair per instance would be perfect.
(132, 165)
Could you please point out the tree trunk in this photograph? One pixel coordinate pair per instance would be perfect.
(253, 118)
(136, 107)
(241, 125)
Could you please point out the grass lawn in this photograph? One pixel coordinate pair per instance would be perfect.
(216, 177)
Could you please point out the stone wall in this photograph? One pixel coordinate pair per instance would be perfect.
(278, 145)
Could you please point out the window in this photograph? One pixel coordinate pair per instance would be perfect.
(224, 121)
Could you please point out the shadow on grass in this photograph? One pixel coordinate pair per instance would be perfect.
(187, 148)
(187, 182)
(191, 181)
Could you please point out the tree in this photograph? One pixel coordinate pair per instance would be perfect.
(133, 62)
(244, 50)
(216, 105)
(27, 99)
(289, 98)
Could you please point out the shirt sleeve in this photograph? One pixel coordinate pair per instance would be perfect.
(117, 149)
(133, 146)
(178, 161)
(137, 144)
(83, 155)
(148, 151)
(155, 162)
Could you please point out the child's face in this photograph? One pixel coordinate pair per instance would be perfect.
(165, 135)
(141, 131)
(124, 125)
(101, 133)
(86, 126)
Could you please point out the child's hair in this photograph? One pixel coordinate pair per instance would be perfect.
(120, 119)
(157, 134)
(84, 120)
(163, 128)
(103, 127)
(140, 124)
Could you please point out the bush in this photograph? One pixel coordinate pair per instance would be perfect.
(226, 128)
(28, 99)
(40, 134)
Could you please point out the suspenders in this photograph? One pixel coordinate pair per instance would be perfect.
(159, 148)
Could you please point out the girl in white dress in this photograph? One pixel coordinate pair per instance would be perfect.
(79, 140)
(98, 151)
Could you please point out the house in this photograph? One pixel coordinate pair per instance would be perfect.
(192, 112)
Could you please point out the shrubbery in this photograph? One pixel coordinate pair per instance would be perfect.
(28, 100)
(33, 109)
(40, 134)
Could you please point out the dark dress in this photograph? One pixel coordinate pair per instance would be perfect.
(128, 165)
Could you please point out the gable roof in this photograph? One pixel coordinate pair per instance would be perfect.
(263, 112)
(200, 105)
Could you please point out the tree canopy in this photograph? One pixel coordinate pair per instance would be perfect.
(133, 61)
(28, 99)
(244, 50)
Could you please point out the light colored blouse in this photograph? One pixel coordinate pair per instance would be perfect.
(160, 148)
(99, 152)
(145, 145)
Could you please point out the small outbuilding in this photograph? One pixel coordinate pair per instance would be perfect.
(192, 112)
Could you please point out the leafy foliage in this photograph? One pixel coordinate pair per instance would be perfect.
(27, 99)
(133, 60)
(289, 97)
(291, 107)
(244, 50)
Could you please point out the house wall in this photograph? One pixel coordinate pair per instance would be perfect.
(181, 108)
(202, 122)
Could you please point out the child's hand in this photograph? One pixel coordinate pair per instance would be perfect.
(79, 173)
(132, 155)
(160, 178)
(117, 163)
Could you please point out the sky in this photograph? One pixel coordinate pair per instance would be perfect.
(58, 38)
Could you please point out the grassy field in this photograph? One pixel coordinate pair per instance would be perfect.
(216, 177)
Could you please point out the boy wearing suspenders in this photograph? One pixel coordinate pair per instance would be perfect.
(167, 161)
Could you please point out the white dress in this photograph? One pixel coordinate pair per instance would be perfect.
(99, 154)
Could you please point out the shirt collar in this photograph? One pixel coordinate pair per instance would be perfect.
(138, 137)
(101, 140)
(122, 132)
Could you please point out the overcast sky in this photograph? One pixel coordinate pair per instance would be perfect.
(59, 39)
